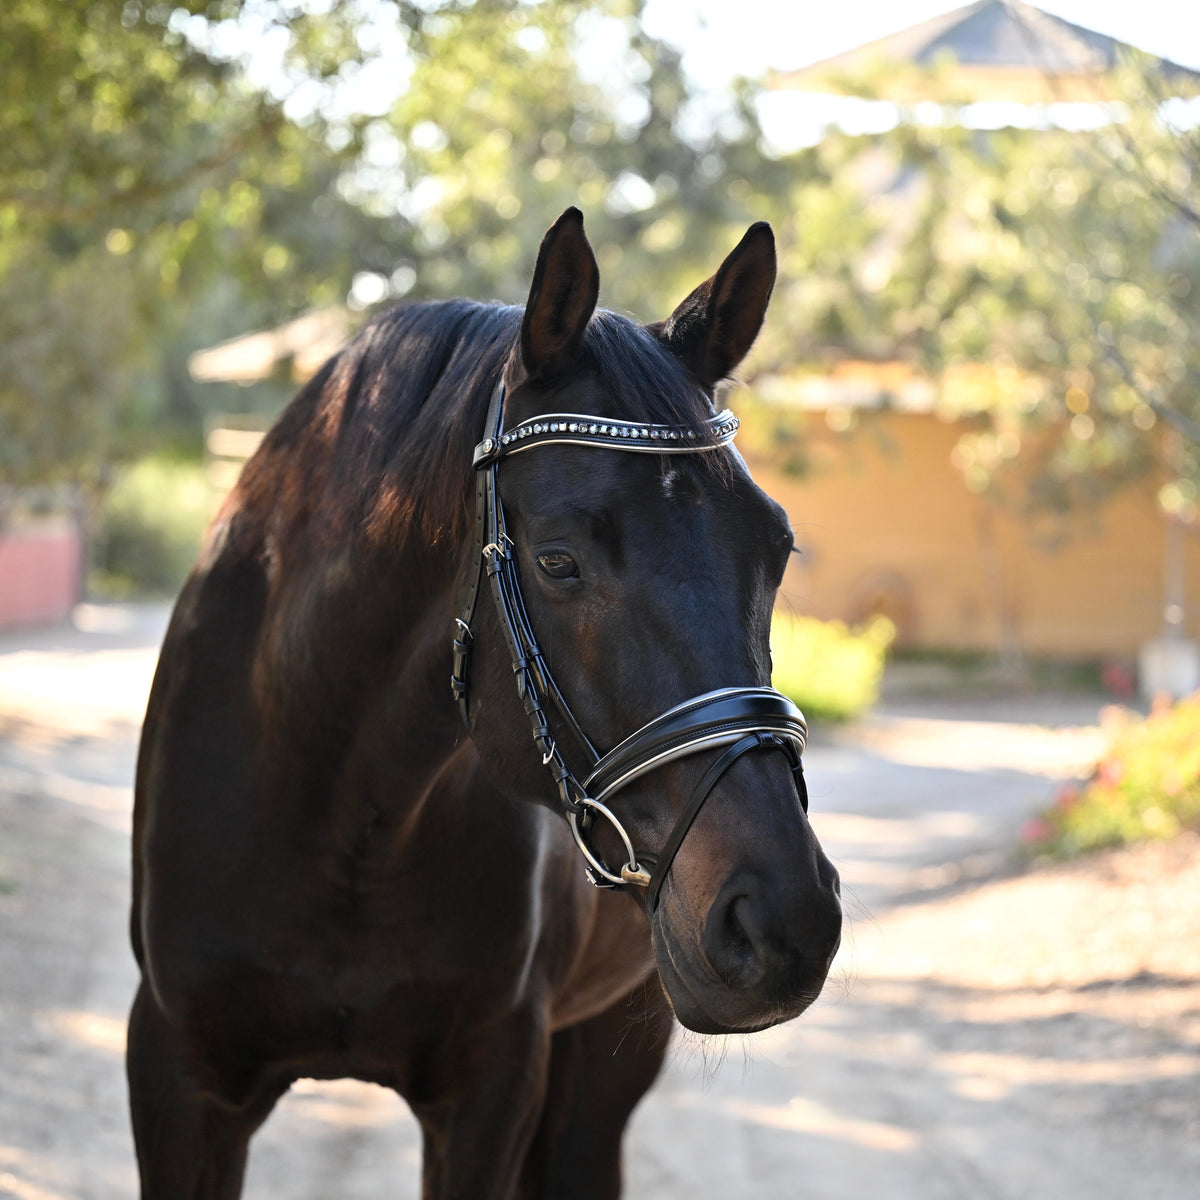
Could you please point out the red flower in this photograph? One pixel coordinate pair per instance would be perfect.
(1068, 795)
(1118, 679)
(1036, 830)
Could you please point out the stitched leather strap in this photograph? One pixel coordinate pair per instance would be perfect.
(469, 594)
(712, 719)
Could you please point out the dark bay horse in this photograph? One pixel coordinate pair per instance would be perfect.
(335, 876)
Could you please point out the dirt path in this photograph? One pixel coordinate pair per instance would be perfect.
(1027, 1037)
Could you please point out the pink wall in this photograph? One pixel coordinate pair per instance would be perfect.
(40, 569)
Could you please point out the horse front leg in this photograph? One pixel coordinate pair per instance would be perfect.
(488, 1100)
(190, 1146)
(599, 1070)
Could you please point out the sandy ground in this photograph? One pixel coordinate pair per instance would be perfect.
(987, 1034)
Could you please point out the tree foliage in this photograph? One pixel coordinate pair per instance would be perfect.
(154, 198)
(515, 111)
(1047, 279)
(160, 189)
(140, 177)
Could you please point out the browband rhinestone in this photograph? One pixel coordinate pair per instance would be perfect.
(558, 427)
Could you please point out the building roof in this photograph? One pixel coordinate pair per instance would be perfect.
(304, 344)
(989, 50)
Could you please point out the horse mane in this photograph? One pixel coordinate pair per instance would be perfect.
(380, 440)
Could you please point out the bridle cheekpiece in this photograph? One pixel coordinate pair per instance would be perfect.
(737, 720)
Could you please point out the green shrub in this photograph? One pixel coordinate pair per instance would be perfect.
(1146, 786)
(830, 670)
(150, 526)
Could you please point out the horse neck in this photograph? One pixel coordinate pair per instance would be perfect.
(353, 672)
(352, 662)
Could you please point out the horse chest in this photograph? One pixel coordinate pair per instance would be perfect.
(405, 943)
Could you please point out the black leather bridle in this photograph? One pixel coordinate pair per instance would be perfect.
(739, 719)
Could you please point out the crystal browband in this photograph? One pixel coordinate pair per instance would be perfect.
(576, 429)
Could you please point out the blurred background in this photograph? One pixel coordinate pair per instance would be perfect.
(977, 393)
(977, 389)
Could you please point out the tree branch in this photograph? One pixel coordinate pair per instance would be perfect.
(151, 189)
(1180, 421)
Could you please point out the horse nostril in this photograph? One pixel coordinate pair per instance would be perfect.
(733, 940)
(771, 940)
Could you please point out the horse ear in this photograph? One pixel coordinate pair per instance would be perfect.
(714, 328)
(562, 298)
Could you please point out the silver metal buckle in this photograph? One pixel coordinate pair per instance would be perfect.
(499, 548)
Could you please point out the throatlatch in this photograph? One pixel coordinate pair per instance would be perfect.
(738, 719)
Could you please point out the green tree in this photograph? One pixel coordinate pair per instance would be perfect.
(515, 111)
(141, 176)
(153, 199)
(1046, 278)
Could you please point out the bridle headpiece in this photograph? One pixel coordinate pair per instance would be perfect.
(738, 719)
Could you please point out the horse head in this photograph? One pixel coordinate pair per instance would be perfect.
(645, 582)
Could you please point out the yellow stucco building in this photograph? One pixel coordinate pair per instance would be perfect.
(887, 525)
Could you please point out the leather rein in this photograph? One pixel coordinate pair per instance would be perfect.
(738, 719)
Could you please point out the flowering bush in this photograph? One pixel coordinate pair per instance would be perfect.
(830, 670)
(1146, 786)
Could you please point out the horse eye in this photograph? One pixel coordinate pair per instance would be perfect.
(558, 565)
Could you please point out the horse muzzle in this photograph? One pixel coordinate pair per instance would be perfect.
(745, 934)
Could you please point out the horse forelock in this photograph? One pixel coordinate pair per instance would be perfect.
(646, 381)
(432, 370)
